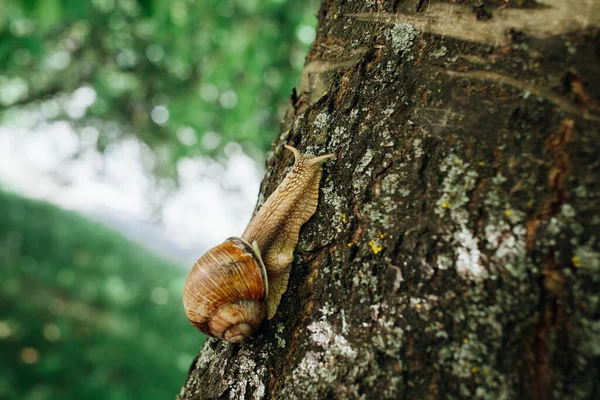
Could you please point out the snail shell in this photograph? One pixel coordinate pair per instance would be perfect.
(225, 292)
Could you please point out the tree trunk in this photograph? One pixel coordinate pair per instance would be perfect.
(455, 249)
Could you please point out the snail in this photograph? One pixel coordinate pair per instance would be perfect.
(235, 285)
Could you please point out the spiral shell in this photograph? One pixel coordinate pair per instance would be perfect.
(225, 292)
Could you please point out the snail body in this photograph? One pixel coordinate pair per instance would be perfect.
(234, 285)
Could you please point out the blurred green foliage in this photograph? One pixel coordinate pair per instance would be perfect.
(187, 77)
(85, 314)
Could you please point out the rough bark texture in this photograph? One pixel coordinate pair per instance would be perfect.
(455, 250)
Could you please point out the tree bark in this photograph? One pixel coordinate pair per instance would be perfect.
(454, 252)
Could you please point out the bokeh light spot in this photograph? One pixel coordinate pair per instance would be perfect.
(187, 136)
(272, 77)
(306, 34)
(159, 295)
(228, 99)
(155, 53)
(160, 115)
(211, 140)
(57, 306)
(115, 287)
(5, 330)
(23, 27)
(12, 90)
(58, 60)
(51, 332)
(29, 355)
(209, 92)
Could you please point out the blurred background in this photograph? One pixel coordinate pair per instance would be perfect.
(132, 139)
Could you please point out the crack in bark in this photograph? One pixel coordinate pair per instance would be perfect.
(420, 4)
(552, 279)
(527, 87)
(278, 377)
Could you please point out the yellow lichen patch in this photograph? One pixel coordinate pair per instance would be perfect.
(343, 217)
(381, 235)
(576, 261)
(474, 370)
(446, 205)
(465, 340)
(350, 244)
(375, 246)
(508, 212)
